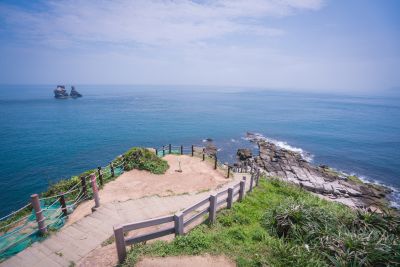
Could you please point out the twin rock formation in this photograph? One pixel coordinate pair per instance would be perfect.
(292, 167)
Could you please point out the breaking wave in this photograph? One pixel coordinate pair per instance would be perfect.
(284, 145)
(394, 196)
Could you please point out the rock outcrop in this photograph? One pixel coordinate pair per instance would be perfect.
(210, 148)
(292, 167)
(74, 93)
(60, 92)
(244, 154)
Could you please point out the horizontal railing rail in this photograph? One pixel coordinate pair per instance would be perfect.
(209, 206)
(50, 211)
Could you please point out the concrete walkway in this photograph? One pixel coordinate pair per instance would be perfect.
(72, 243)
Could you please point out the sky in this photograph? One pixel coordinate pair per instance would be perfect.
(315, 45)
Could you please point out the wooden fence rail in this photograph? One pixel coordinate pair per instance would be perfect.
(192, 150)
(182, 219)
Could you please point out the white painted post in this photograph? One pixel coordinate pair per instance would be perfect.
(120, 243)
(95, 191)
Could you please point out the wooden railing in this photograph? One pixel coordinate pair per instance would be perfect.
(185, 217)
(243, 167)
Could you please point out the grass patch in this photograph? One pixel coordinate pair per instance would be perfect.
(135, 158)
(144, 159)
(355, 179)
(282, 225)
(108, 241)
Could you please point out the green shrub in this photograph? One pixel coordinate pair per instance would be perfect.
(299, 221)
(194, 243)
(282, 225)
(258, 235)
(237, 234)
(361, 239)
(144, 159)
(286, 254)
(65, 184)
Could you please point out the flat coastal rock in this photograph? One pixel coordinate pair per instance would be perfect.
(322, 180)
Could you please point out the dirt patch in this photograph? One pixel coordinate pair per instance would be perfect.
(193, 261)
(195, 176)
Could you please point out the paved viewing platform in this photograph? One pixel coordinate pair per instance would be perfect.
(77, 239)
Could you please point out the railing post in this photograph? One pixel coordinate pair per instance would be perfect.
(100, 175)
(213, 209)
(84, 187)
(251, 182)
(204, 154)
(242, 188)
(63, 205)
(124, 163)
(192, 150)
(39, 214)
(257, 177)
(229, 171)
(169, 149)
(163, 151)
(120, 243)
(181, 150)
(156, 151)
(178, 219)
(230, 198)
(112, 169)
(95, 192)
(215, 162)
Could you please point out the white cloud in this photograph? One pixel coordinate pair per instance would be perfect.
(149, 22)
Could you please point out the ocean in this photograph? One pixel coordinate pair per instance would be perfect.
(43, 139)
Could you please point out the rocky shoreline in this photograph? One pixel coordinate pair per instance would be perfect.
(292, 167)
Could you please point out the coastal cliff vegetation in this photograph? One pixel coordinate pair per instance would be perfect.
(135, 158)
(144, 159)
(279, 224)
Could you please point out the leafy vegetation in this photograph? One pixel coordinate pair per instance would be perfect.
(8, 223)
(282, 225)
(144, 159)
(64, 185)
(135, 158)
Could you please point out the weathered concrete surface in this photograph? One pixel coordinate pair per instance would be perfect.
(72, 243)
(292, 167)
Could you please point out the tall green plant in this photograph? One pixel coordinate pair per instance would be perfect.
(144, 159)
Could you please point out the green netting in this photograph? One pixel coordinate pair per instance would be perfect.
(26, 232)
(162, 153)
(24, 229)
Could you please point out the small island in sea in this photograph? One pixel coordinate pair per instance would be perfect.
(247, 133)
(61, 93)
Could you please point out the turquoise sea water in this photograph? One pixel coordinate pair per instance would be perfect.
(43, 139)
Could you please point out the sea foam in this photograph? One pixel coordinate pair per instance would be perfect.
(284, 145)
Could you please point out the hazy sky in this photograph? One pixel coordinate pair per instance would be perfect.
(306, 44)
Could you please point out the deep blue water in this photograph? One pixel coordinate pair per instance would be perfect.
(43, 139)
